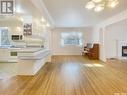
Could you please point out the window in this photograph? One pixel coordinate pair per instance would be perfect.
(71, 38)
(4, 37)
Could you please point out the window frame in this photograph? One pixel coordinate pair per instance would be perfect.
(80, 44)
(5, 45)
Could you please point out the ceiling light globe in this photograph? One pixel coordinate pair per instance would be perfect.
(96, 1)
(98, 8)
(48, 25)
(113, 4)
(43, 20)
(90, 5)
(22, 19)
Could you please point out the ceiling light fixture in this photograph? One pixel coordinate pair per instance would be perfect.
(99, 5)
(48, 25)
(99, 8)
(90, 5)
(113, 4)
(22, 19)
(96, 1)
(43, 20)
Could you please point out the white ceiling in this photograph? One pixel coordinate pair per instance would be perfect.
(26, 7)
(72, 13)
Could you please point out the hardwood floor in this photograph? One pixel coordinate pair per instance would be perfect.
(71, 75)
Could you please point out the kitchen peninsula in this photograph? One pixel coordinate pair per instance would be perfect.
(30, 60)
(27, 60)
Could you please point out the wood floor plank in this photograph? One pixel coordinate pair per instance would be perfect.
(71, 75)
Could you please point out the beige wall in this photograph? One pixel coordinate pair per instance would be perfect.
(114, 33)
(114, 22)
(69, 50)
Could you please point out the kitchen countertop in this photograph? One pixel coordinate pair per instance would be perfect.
(24, 49)
(24, 53)
(30, 50)
(33, 53)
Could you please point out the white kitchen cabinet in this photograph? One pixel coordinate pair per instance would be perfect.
(7, 55)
